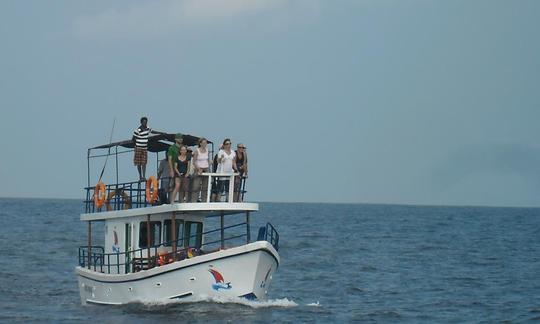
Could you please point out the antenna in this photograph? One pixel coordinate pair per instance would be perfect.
(109, 151)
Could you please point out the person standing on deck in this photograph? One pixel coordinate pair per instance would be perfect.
(201, 160)
(181, 179)
(241, 162)
(172, 157)
(166, 181)
(225, 159)
(140, 137)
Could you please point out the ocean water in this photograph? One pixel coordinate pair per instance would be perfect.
(340, 263)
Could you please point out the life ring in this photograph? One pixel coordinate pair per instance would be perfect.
(100, 194)
(127, 201)
(164, 258)
(151, 190)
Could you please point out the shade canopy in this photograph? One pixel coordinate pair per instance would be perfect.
(156, 143)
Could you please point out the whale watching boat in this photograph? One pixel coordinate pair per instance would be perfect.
(153, 251)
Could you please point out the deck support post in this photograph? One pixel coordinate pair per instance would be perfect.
(248, 230)
(173, 235)
(148, 237)
(209, 189)
(89, 242)
(222, 231)
(230, 197)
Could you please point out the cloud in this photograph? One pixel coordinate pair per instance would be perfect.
(154, 18)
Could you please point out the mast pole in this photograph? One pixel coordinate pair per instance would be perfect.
(116, 147)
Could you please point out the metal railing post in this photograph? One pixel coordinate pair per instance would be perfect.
(248, 236)
(209, 188)
(173, 235)
(222, 232)
(89, 242)
(148, 238)
(243, 188)
(231, 188)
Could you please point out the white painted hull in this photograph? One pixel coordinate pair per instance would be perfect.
(241, 271)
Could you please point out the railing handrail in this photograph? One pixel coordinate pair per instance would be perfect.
(97, 259)
(270, 234)
(135, 191)
(96, 255)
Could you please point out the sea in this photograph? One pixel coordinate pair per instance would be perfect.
(339, 263)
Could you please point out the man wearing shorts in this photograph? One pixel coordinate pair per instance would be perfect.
(140, 137)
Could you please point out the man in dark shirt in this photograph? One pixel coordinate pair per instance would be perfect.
(140, 137)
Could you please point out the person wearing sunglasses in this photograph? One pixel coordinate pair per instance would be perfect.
(225, 159)
(241, 163)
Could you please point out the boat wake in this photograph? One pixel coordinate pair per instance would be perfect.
(280, 302)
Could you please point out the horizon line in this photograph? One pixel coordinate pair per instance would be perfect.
(329, 203)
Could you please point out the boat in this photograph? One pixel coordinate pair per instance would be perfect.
(154, 251)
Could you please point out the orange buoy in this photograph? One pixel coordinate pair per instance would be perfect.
(151, 189)
(100, 194)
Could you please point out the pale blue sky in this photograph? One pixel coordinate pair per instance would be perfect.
(372, 101)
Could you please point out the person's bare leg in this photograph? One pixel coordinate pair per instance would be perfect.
(188, 189)
(196, 188)
(176, 190)
(182, 190)
(140, 171)
(143, 172)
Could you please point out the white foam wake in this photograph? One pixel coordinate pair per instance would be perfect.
(280, 302)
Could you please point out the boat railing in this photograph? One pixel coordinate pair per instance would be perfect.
(221, 187)
(157, 255)
(270, 234)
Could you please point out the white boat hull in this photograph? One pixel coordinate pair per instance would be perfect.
(244, 271)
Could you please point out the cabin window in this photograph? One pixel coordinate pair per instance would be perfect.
(155, 234)
(167, 237)
(193, 234)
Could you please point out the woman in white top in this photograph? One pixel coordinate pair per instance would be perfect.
(201, 161)
(225, 159)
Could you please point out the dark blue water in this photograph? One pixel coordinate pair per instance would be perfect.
(372, 263)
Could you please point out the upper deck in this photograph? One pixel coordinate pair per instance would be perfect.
(202, 209)
(215, 194)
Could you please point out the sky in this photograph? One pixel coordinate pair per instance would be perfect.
(347, 101)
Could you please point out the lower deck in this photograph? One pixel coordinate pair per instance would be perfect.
(171, 233)
(244, 271)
